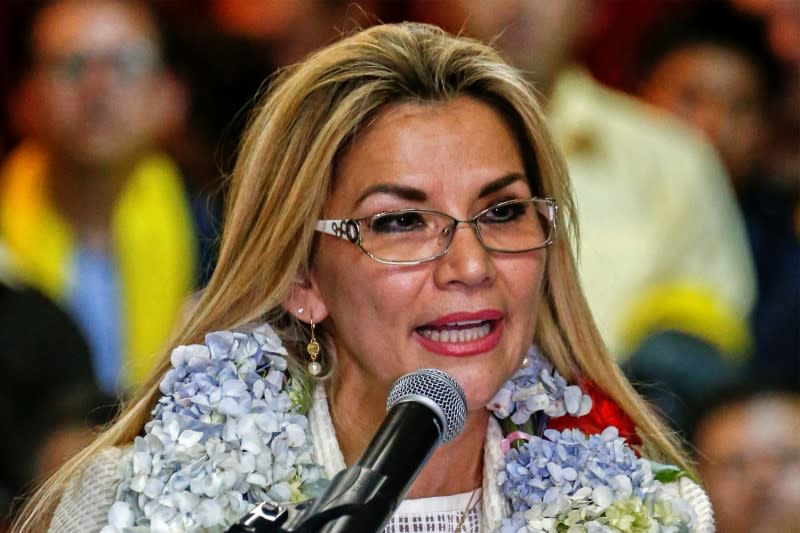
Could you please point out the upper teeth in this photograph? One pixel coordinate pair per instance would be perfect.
(465, 323)
(461, 335)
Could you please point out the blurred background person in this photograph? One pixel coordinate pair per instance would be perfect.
(712, 67)
(748, 456)
(44, 361)
(783, 28)
(226, 52)
(664, 262)
(94, 215)
(72, 424)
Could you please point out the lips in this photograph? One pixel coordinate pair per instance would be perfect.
(462, 334)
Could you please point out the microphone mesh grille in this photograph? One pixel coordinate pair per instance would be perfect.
(440, 388)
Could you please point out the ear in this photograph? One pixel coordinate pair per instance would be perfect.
(304, 295)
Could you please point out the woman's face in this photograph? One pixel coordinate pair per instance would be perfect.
(458, 158)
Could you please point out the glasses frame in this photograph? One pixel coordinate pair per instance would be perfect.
(349, 229)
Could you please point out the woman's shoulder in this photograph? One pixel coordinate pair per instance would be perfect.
(89, 494)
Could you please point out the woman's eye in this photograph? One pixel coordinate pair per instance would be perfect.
(503, 213)
(397, 222)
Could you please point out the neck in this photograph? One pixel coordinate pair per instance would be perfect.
(355, 425)
(463, 456)
(86, 197)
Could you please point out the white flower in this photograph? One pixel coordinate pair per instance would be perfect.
(120, 515)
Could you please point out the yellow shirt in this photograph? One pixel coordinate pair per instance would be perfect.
(153, 246)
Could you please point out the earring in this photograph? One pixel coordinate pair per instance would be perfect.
(300, 310)
(314, 368)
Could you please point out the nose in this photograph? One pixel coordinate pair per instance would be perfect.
(98, 77)
(467, 263)
(764, 471)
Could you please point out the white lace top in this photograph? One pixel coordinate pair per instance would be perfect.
(441, 514)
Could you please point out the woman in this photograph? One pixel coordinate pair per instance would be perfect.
(396, 118)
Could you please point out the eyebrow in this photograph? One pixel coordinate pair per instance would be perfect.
(418, 195)
(501, 183)
(401, 191)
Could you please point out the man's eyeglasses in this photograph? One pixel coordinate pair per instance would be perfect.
(130, 64)
(414, 236)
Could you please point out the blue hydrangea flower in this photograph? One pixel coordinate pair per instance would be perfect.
(224, 435)
(568, 481)
(538, 387)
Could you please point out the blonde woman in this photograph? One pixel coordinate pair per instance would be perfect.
(397, 201)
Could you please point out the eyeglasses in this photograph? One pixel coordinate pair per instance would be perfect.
(132, 63)
(414, 236)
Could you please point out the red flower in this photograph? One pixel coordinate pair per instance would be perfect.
(604, 413)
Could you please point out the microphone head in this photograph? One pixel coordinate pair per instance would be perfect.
(439, 392)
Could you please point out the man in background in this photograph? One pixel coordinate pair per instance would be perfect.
(748, 456)
(711, 66)
(93, 215)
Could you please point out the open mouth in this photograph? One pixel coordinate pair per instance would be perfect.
(462, 333)
(457, 332)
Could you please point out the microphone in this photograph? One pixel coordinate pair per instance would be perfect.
(426, 408)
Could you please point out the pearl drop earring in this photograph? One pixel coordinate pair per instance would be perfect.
(314, 368)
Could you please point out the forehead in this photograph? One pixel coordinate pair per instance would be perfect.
(421, 141)
(759, 424)
(91, 26)
(701, 62)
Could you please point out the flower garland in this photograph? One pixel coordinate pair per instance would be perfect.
(231, 430)
(580, 474)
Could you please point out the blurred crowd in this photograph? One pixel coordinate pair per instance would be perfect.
(679, 121)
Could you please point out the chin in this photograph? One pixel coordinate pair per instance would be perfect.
(478, 392)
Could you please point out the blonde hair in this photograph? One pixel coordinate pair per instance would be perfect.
(288, 158)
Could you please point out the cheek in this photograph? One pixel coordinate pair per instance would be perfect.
(525, 279)
(67, 121)
(534, 302)
(357, 289)
(751, 133)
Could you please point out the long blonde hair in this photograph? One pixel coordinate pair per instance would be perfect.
(283, 177)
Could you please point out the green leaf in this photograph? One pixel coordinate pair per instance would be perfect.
(668, 473)
(300, 392)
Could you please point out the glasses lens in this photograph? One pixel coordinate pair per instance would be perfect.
(132, 63)
(406, 236)
(516, 226)
(415, 235)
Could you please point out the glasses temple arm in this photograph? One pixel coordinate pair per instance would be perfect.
(345, 229)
